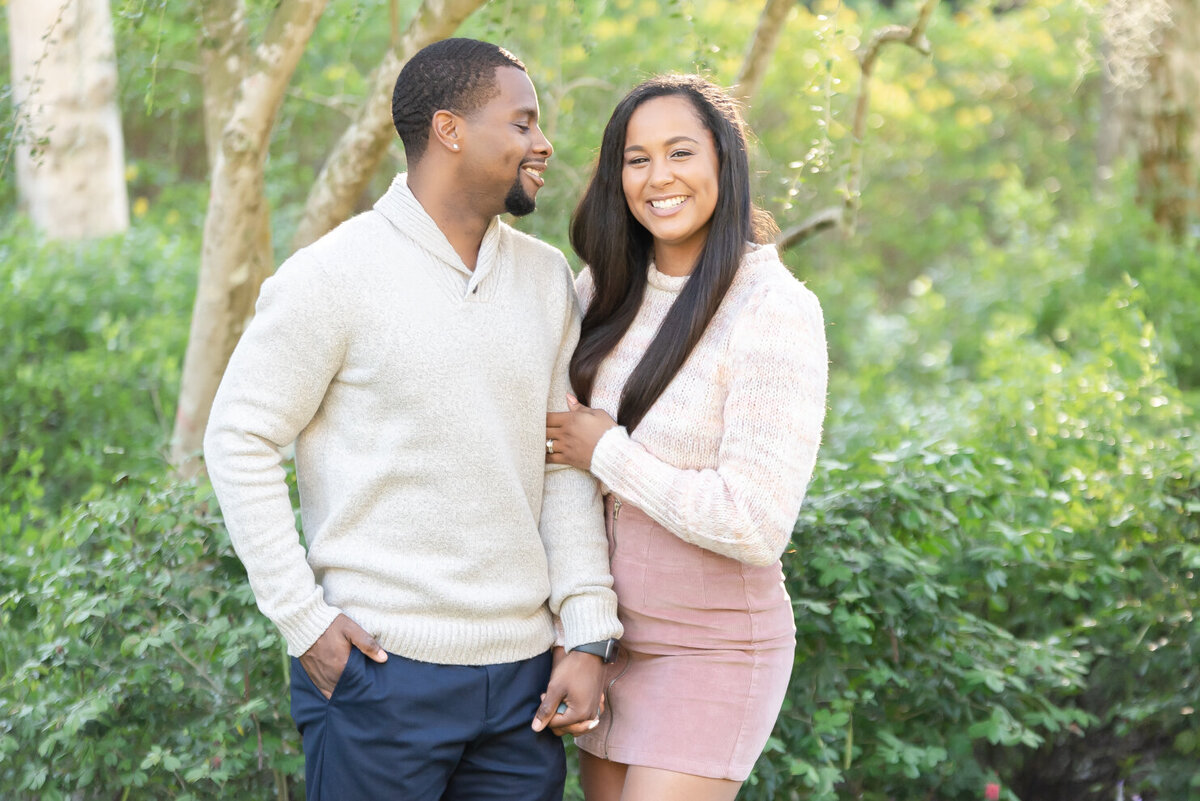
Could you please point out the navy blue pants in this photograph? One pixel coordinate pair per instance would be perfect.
(413, 731)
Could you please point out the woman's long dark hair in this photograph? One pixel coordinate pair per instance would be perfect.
(617, 248)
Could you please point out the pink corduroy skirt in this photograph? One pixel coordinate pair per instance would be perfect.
(705, 659)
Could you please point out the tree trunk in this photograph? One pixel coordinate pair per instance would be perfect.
(762, 47)
(236, 254)
(1164, 123)
(360, 148)
(70, 159)
(224, 54)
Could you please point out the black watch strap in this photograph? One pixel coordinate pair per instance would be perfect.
(605, 649)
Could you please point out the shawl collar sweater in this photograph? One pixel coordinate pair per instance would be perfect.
(415, 391)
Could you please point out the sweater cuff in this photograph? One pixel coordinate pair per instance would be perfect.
(305, 627)
(589, 618)
(626, 468)
(608, 458)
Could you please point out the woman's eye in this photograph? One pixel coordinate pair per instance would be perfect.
(521, 127)
(634, 162)
(681, 153)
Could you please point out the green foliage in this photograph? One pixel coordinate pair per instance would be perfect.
(988, 571)
(990, 566)
(995, 572)
(90, 343)
(1128, 244)
(135, 662)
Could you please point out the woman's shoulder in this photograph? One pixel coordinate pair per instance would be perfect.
(764, 284)
(585, 287)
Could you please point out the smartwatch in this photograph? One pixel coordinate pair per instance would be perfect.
(605, 649)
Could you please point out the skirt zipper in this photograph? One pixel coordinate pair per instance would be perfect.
(612, 712)
(616, 514)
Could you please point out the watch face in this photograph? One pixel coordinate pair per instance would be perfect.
(606, 650)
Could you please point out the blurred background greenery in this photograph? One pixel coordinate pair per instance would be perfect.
(995, 570)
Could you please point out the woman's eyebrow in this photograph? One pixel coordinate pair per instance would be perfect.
(672, 141)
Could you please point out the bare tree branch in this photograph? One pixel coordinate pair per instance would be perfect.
(762, 47)
(845, 215)
(824, 219)
(273, 62)
(357, 153)
(913, 36)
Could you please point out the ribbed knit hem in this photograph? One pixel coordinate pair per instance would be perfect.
(302, 629)
(445, 641)
(589, 618)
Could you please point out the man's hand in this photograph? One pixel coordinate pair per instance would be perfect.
(327, 658)
(577, 680)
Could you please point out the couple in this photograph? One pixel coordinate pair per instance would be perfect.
(454, 492)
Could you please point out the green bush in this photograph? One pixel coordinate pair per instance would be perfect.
(976, 592)
(136, 664)
(90, 346)
(990, 575)
(994, 574)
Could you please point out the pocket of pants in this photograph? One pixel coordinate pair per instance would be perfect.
(344, 679)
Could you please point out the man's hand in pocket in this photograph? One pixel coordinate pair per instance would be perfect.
(327, 658)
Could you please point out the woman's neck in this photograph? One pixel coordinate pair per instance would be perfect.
(677, 259)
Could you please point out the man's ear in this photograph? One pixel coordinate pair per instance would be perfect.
(448, 129)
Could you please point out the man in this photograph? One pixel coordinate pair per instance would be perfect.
(412, 355)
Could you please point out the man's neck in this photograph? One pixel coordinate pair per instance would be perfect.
(462, 226)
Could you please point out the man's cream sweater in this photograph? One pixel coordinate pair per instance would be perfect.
(416, 392)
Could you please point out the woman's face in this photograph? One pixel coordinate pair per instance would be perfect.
(670, 174)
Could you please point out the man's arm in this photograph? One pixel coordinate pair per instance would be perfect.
(275, 382)
(572, 529)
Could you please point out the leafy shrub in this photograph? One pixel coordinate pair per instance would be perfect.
(136, 664)
(994, 575)
(990, 575)
(90, 342)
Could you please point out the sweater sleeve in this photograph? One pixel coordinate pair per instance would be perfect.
(572, 523)
(272, 387)
(585, 288)
(746, 507)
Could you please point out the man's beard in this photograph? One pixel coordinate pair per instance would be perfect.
(518, 202)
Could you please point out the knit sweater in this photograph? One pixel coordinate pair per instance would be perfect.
(723, 458)
(416, 393)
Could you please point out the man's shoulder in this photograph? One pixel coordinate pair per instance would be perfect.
(352, 234)
(530, 249)
(354, 249)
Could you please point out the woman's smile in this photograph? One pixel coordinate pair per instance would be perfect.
(670, 179)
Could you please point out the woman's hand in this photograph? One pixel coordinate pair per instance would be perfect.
(575, 433)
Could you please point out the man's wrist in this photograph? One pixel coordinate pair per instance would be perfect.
(605, 649)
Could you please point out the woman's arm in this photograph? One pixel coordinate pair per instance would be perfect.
(747, 506)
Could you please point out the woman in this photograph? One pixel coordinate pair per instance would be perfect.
(704, 363)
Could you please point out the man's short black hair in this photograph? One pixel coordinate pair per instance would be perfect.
(457, 75)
